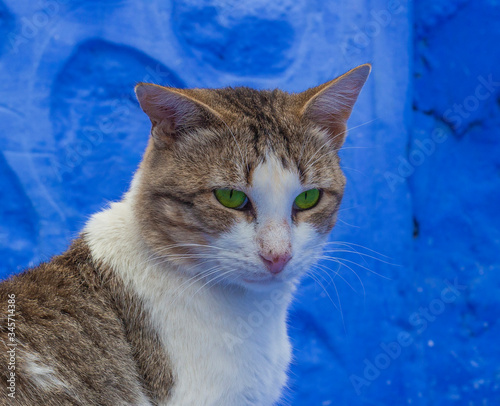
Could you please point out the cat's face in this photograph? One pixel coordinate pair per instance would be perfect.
(243, 186)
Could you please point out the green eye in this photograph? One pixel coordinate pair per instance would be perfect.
(307, 200)
(234, 199)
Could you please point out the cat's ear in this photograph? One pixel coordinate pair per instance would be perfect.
(171, 112)
(330, 104)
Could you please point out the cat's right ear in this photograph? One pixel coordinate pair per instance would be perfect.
(330, 104)
(171, 112)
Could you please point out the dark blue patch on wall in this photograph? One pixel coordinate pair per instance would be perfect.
(250, 45)
(6, 26)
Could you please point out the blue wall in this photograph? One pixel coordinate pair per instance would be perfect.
(422, 161)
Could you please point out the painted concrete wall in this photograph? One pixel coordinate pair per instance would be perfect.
(416, 326)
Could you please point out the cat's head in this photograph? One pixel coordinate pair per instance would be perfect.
(243, 185)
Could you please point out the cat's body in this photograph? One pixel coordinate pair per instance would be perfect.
(173, 296)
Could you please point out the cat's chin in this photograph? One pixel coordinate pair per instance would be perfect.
(264, 283)
(261, 281)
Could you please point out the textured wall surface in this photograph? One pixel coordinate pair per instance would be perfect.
(418, 326)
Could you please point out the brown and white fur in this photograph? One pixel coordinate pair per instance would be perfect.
(167, 298)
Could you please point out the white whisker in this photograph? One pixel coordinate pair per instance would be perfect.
(339, 307)
(361, 254)
(311, 275)
(355, 263)
(336, 273)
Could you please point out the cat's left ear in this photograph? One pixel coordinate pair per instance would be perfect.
(172, 112)
(330, 104)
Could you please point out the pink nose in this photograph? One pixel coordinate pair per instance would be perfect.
(276, 263)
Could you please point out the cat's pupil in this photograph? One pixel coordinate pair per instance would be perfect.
(231, 193)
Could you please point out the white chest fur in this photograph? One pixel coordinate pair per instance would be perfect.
(227, 346)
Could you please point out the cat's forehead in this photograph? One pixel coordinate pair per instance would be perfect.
(263, 124)
(251, 102)
(270, 116)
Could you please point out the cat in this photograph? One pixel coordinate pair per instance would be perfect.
(177, 295)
